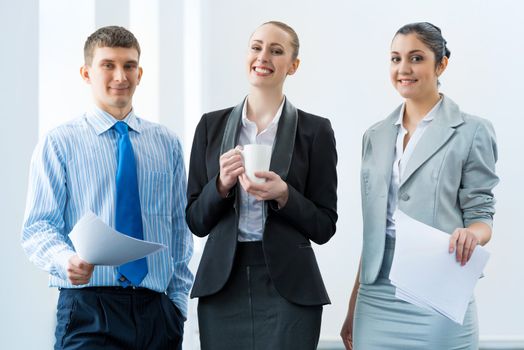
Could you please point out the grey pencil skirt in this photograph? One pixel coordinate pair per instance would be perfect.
(384, 322)
(248, 313)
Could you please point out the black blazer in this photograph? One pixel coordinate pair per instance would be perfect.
(304, 156)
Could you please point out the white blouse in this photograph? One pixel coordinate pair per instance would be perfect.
(402, 157)
(252, 216)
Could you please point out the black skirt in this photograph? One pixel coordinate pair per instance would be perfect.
(249, 313)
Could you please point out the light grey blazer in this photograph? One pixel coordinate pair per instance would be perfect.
(447, 182)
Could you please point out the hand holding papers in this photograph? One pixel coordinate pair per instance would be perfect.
(99, 244)
(427, 275)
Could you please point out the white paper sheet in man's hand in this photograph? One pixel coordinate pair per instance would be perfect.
(99, 244)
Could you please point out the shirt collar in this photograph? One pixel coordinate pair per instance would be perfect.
(273, 123)
(103, 121)
(427, 118)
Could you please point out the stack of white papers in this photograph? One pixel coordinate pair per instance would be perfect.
(99, 244)
(427, 275)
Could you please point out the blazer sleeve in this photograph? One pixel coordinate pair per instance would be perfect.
(314, 212)
(478, 177)
(205, 206)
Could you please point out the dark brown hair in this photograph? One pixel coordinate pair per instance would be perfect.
(430, 35)
(110, 36)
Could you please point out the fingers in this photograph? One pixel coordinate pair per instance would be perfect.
(233, 172)
(346, 339)
(231, 166)
(259, 191)
(232, 152)
(274, 188)
(460, 246)
(469, 247)
(464, 242)
(79, 271)
(229, 160)
(231, 157)
(346, 333)
(244, 182)
(77, 280)
(268, 175)
(250, 186)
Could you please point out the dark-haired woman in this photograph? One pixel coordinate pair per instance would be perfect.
(435, 163)
(258, 283)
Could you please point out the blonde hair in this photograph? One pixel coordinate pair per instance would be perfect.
(295, 43)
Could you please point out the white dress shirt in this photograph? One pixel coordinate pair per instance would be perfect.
(252, 216)
(402, 156)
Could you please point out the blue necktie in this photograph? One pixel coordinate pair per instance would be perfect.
(128, 216)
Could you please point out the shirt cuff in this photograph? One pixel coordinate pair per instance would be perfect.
(487, 221)
(180, 300)
(61, 262)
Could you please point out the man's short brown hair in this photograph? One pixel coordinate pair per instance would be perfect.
(110, 36)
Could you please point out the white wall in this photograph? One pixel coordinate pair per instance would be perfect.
(195, 60)
(24, 299)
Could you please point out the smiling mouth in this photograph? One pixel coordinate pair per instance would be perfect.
(407, 81)
(262, 70)
(119, 89)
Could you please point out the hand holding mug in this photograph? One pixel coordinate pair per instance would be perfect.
(272, 187)
(231, 166)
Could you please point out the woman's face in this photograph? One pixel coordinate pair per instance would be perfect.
(413, 71)
(270, 57)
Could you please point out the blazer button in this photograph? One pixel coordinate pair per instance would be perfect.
(404, 197)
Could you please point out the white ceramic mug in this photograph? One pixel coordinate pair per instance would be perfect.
(256, 158)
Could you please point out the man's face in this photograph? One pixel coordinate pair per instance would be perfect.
(113, 75)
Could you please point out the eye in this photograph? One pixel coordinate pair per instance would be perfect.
(130, 66)
(416, 59)
(277, 52)
(395, 59)
(107, 65)
(255, 48)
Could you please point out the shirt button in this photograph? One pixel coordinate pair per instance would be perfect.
(404, 197)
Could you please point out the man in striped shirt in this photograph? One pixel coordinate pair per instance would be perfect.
(73, 171)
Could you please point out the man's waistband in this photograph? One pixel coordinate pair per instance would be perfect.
(114, 290)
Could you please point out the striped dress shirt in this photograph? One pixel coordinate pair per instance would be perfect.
(73, 171)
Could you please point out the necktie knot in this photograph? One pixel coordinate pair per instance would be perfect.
(121, 128)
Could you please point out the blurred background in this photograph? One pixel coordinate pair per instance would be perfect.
(193, 58)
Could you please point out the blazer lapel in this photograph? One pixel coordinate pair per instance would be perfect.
(284, 141)
(447, 118)
(229, 140)
(383, 139)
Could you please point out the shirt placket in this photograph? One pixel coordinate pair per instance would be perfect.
(252, 203)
